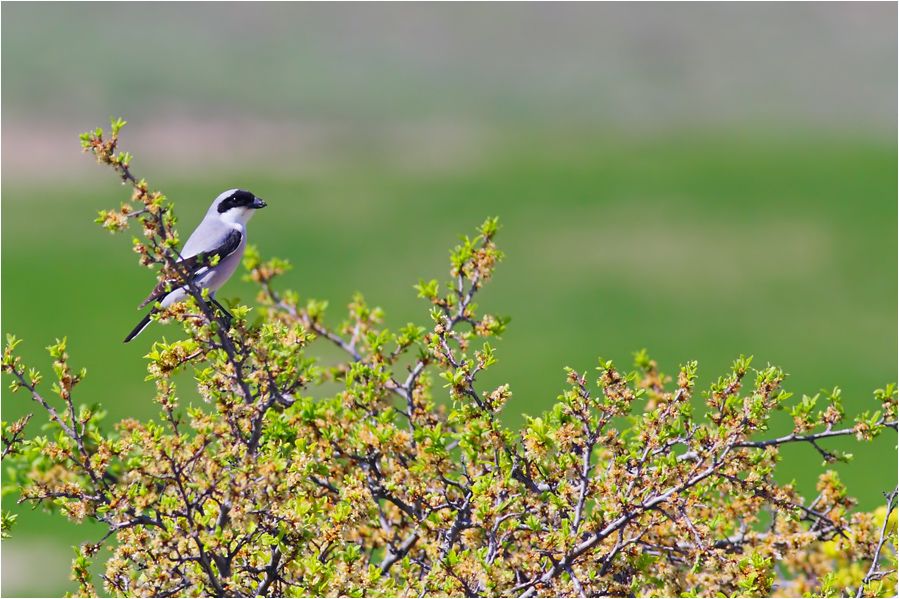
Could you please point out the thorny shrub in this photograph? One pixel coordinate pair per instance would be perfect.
(406, 482)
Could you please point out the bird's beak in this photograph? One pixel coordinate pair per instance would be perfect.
(257, 204)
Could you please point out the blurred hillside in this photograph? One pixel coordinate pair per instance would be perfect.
(702, 180)
(236, 83)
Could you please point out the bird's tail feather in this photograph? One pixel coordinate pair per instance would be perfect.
(140, 327)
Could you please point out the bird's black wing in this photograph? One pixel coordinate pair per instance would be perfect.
(194, 264)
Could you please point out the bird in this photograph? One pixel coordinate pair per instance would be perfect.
(223, 234)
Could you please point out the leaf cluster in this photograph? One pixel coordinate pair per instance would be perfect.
(391, 472)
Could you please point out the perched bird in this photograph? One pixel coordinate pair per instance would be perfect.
(221, 233)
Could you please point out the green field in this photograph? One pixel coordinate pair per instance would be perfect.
(700, 247)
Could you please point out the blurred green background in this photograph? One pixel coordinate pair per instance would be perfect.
(702, 180)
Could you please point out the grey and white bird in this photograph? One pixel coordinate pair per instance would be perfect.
(222, 233)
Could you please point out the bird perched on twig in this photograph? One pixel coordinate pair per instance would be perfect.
(221, 234)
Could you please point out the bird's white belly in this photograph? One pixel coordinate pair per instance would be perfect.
(211, 278)
(218, 275)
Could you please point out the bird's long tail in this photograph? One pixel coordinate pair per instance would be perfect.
(140, 327)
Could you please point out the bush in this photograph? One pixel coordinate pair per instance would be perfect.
(406, 482)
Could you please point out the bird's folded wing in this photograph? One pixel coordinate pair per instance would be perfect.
(194, 264)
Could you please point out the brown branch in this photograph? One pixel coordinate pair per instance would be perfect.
(810, 438)
(872, 573)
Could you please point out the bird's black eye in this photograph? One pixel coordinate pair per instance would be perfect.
(238, 199)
